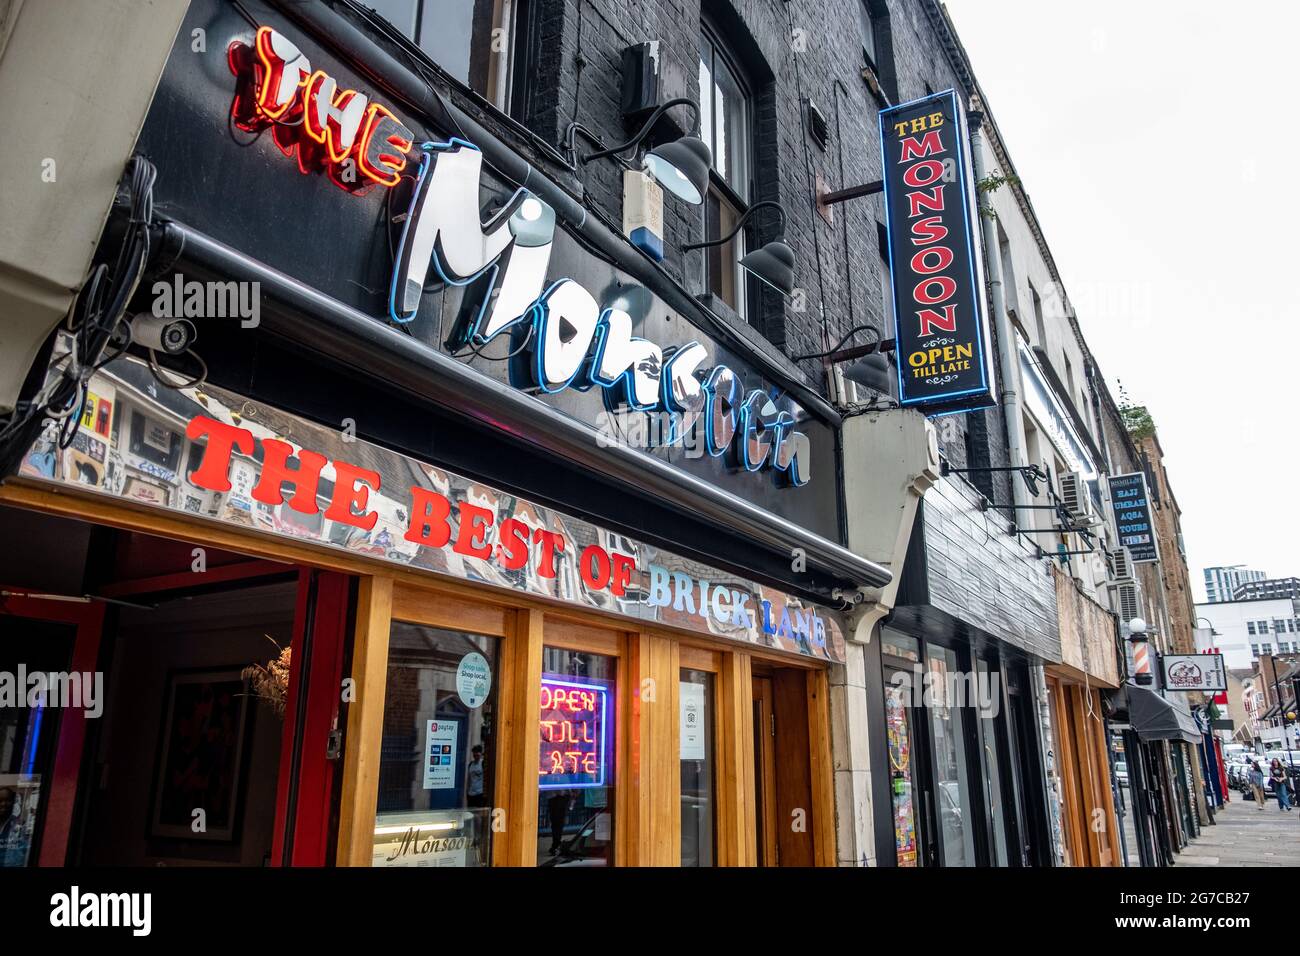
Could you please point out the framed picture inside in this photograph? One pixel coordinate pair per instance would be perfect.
(204, 733)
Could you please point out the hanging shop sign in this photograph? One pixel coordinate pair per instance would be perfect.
(562, 337)
(939, 320)
(574, 734)
(1131, 505)
(271, 472)
(1194, 672)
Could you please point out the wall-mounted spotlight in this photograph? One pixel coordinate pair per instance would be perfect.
(680, 166)
(772, 262)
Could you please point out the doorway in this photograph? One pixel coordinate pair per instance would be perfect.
(785, 797)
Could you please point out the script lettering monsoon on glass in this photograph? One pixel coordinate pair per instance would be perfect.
(574, 728)
(939, 318)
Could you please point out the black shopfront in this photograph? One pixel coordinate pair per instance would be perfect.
(246, 195)
(954, 665)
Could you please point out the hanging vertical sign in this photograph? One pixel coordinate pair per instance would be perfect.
(1131, 506)
(934, 261)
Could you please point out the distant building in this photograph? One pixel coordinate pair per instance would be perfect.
(1266, 589)
(1248, 629)
(1221, 582)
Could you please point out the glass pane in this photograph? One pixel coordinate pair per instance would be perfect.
(28, 734)
(706, 94)
(575, 806)
(731, 129)
(898, 726)
(950, 792)
(437, 758)
(457, 35)
(723, 262)
(900, 645)
(696, 716)
(992, 770)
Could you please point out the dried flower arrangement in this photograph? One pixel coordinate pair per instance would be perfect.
(270, 682)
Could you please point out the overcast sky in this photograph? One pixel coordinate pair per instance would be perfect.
(1154, 139)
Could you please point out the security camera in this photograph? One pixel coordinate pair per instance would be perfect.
(172, 336)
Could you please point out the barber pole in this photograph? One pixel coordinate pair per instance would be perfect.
(1141, 659)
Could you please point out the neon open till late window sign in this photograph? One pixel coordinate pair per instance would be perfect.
(574, 725)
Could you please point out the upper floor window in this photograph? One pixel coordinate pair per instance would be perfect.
(867, 25)
(726, 112)
(462, 37)
(1250, 627)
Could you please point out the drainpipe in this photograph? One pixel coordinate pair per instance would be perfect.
(1008, 361)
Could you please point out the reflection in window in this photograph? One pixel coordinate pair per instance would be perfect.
(696, 744)
(725, 127)
(950, 793)
(437, 757)
(460, 36)
(575, 805)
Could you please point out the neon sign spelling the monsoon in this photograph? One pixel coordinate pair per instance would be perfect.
(574, 728)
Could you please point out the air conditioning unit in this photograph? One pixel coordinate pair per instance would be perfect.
(1076, 500)
(1129, 602)
(1121, 566)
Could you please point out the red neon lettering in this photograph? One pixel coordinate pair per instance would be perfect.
(381, 154)
(349, 495)
(276, 471)
(332, 117)
(214, 473)
(429, 514)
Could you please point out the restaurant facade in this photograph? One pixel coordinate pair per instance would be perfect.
(362, 528)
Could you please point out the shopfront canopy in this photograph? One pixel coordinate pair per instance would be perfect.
(1155, 718)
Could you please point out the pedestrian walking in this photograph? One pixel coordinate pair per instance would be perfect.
(1256, 777)
(1280, 784)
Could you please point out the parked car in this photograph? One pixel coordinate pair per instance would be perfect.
(1121, 773)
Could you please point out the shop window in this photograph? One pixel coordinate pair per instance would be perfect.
(469, 40)
(575, 806)
(699, 801)
(725, 123)
(438, 753)
(953, 806)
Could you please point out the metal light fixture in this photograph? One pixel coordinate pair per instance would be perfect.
(680, 166)
(872, 371)
(772, 263)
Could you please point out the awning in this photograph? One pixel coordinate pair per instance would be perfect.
(1155, 718)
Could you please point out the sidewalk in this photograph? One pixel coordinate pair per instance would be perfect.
(1246, 836)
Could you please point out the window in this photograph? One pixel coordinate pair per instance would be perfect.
(575, 805)
(1250, 627)
(437, 757)
(460, 36)
(1278, 625)
(699, 844)
(1040, 323)
(725, 123)
(1254, 650)
(867, 26)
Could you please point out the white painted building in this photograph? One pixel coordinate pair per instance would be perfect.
(1247, 629)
